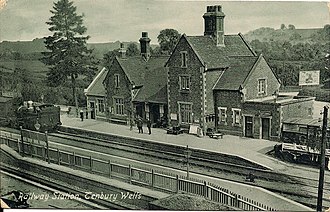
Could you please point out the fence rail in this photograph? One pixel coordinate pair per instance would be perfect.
(166, 182)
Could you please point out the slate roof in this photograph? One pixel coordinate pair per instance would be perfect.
(217, 56)
(235, 75)
(96, 88)
(134, 68)
(151, 74)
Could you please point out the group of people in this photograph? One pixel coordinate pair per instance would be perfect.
(82, 114)
(139, 124)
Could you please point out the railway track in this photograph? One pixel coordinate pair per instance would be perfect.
(54, 187)
(297, 188)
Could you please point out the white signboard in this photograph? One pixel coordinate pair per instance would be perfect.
(309, 78)
(174, 116)
(193, 129)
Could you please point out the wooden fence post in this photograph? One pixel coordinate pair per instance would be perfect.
(6, 140)
(18, 146)
(152, 178)
(74, 159)
(22, 139)
(31, 149)
(236, 201)
(206, 195)
(110, 170)
(177, 184)
(58, 157)
(130, 173)
(47, 145)
(91, 163)
(44, 152)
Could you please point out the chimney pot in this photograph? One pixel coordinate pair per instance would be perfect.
(145, 45)
(214, 23)
(122, 51)
(144, 34)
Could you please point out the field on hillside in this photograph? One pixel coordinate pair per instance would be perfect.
(268, 34)
(35, 68)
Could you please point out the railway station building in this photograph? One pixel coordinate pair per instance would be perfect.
(96, 96)
(211, 81)
(218, 81)
(195, 66)
(136, 86)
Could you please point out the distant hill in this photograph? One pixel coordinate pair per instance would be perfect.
(9, 48)
(23, 47)
(267, 34)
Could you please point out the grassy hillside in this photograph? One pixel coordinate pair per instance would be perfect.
(32, 49)
(266, 34)
(35, 69)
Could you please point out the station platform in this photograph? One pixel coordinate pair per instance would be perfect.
(248, 148)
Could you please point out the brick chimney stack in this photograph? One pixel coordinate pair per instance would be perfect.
(145, 45)
(122, 51)
(214, 23)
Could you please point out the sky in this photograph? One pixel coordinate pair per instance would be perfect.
(124, 20)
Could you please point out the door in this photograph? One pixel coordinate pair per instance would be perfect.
(92, 105)
(154, 113)
(248, 126)
(265, 124)
(139, 110)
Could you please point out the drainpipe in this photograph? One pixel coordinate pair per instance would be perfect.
(204, 98)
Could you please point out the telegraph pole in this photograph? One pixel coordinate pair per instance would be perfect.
(322, 164)
(187, 154)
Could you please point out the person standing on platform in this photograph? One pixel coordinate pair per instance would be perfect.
(86, 112)
(149, 126)
(131, 123)
(139, 125)
(81, 114)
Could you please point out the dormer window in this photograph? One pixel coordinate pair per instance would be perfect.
(184, 59)
(262, 84)
(116, 80)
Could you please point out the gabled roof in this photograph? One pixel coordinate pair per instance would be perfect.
(217, 56)
(96, 88)
(134, 68)
(151, 74)
(234, 77)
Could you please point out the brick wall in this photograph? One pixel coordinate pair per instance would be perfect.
(229, 100)
(122, 92)
(263, 110)
(211, 78)
(193, 69)
(261, 71)
(299, 108)
(95, 99)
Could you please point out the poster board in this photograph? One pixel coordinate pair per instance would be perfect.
(309, 77)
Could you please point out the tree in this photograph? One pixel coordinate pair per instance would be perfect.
(283, 26)
(291, 27)
(68, 56)
(156, 51)
(132, 50)
(325, 32)
(167, 39)
(109, 56)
